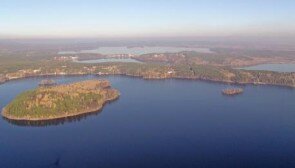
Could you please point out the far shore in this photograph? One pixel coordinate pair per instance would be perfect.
(150, 78)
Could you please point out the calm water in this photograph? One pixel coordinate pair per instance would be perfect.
(273, 67)
(138, 50)
(161, 123)
(108, 60)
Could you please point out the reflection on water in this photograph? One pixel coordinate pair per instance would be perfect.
(15, 87)
(59, 121)
(159, 123)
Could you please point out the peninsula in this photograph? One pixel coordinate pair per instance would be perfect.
(60, 101)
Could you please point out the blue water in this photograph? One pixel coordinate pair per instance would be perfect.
(160, 123)
(273, 67)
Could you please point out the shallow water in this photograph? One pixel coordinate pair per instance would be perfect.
(159, 123)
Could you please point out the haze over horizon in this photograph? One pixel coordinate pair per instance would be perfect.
(146, 19)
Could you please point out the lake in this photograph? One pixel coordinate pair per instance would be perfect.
(159, 123)
(273, 67)
(138, 50)
(109, 60)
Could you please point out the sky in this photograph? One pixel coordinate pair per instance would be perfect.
(146, 18)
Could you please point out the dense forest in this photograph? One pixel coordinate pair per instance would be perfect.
(60, 101)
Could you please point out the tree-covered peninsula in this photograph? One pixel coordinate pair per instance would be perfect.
(61, 101)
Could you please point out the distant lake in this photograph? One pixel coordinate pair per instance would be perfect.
(273, 67)
(138, 50)
(159, 124)
(108, 60)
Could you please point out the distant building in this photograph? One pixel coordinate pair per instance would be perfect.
(66, 58)
(74, 58)
(36, 70)
(171, 72)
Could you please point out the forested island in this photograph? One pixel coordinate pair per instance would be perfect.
(232, 91)
(60, 101)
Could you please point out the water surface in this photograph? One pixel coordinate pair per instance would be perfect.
(108, 60)
(138, 50)
(159, 123)
(273, 67)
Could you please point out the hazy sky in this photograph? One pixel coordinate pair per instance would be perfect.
(146, 18)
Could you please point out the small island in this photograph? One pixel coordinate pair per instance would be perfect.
(47, 82)
(232, 91)
(60, 101)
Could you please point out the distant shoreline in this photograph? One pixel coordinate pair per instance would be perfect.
(152, 78)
